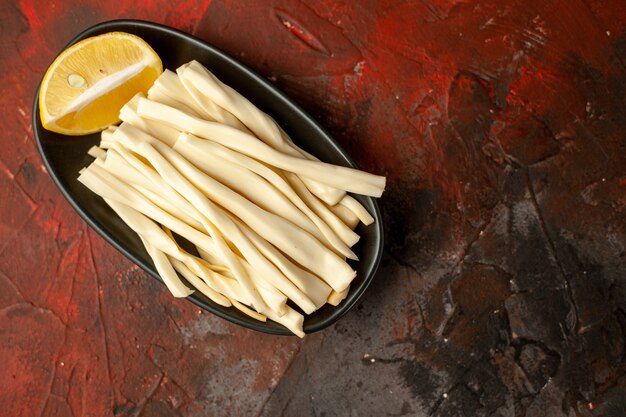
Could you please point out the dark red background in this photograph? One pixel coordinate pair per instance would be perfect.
(501, 128)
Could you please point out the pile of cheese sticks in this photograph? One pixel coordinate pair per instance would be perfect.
(273, 225)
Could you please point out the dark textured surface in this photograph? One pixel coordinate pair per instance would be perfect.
(501, 128)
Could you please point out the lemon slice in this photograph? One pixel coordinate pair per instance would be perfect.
(86, 86)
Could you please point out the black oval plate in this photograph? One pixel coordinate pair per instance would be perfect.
(64, 156)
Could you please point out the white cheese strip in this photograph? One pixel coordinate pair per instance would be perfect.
(291, 320)
(344, 232)
(314, 287)
(147, 229)
(222, 280)
(328, 195)
(274, 299)
(346, 215)
(271, 276)
(199, 284)
(124, 165)
(157, 93)
(251, 186)
(97, 152)
(129, 115)
(337, 297)
(347, 179)
(229, 287)
(161, 263)
(249, 312)
(293, 241)
(215, 219)
(167, 272)
(271, 177)
(140, 142)
(98, 161)
(105, 136)
(355, 207)
(216, 112)
(277, 301)
(195, 75)
(168, 83)
(105, 144)
(108, 186)
(167, 205)
(117, 165)
(285, 286)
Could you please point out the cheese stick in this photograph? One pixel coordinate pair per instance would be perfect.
(106, 183)
(293, 241)
(348, 179)
(170, 84)
(167, 272)
(262, 125)
(270, 176)
(271, 274)
(344, 232)
(346, 215)
(315, 288)
(199, 284)
(355, 207)
(335, 298)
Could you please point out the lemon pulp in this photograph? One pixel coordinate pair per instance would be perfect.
(86, 86)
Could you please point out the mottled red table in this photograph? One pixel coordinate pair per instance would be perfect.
(501, 127)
